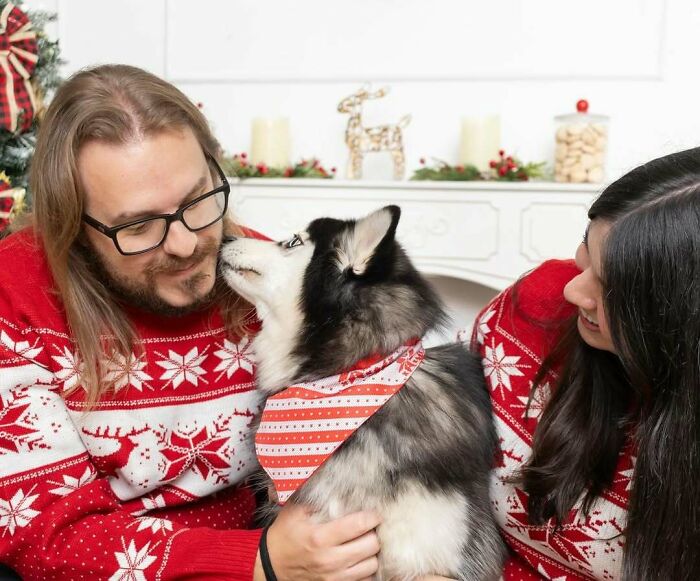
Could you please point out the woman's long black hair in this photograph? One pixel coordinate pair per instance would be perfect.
(647, 393)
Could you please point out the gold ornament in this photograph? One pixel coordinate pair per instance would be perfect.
(20, 196)
(361, 140)
(12, 202)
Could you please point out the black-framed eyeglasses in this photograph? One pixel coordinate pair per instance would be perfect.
(149, 233)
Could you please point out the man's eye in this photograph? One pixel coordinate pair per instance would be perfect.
(295, 241)
(137, 228)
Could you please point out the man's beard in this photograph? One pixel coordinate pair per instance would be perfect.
(144, 295)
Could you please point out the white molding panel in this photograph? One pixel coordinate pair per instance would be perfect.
(399, 40)
(103, 31)
(540, 219)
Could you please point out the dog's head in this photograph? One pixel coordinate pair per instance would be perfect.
(333, 294)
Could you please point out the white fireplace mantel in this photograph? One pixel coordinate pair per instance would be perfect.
(484, 232)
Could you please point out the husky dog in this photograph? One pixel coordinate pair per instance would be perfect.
(332, 296)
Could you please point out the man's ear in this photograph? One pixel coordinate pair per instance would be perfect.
(369, 233)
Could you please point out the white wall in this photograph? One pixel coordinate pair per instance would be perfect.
(527, 60)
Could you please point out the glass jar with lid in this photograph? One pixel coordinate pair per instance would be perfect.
(581, 146)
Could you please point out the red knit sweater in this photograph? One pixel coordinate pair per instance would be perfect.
(512, 347)
(149, 484)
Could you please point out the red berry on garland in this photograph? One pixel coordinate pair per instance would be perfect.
(493, 164)
(288, 172)
(333, 170)
(502, 170)
(460, 168)
(244, 155)
(422, 161)
(582, 106)
(501, 152)
(262, 168)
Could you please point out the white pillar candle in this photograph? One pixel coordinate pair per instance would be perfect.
(480, 140)
(270, 142)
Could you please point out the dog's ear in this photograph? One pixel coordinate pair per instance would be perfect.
(369, 234)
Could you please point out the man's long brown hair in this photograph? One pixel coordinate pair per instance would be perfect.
(116, 104)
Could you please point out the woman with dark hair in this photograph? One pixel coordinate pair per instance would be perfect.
(594, 369)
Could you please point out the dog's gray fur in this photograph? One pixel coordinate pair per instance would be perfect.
(423, 460)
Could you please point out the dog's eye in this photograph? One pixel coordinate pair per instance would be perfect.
(295, 241)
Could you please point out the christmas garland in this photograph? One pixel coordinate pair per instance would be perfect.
(446, 172)
(239, 166)
(505, 169)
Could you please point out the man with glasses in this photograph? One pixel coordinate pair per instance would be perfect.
(165, 262)
(127, 392)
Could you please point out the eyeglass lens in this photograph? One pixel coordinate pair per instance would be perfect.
(151, 233)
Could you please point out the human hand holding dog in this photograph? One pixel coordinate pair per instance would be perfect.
(344, 549)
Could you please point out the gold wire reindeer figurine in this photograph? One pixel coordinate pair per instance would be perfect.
(366, 139)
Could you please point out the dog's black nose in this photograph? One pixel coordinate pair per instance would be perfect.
(227, 239)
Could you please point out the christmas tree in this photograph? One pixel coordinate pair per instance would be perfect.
(29, 63)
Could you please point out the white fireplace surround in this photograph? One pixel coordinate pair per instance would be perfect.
(471, 238)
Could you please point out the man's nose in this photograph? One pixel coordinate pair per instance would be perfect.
(180, 241)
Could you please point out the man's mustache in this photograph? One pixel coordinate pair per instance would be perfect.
(171, 263)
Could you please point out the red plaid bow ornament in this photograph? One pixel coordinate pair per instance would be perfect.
(18, 57)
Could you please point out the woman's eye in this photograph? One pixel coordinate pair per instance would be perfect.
(296, 241)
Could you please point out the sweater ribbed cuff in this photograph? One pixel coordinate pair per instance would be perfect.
(214, 554)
